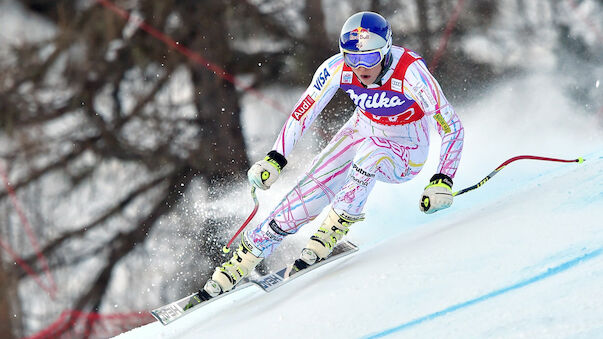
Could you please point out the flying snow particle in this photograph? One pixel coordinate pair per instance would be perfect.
(597, 84)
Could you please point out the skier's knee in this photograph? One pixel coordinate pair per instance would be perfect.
(362, 172)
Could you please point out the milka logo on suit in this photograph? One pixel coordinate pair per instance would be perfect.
(377, 100)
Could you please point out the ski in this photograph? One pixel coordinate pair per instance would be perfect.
(179, 308)
(269, 282)
(272, 281)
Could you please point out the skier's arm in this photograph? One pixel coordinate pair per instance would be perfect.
(426, 91)
(321, 90)
(324, 85)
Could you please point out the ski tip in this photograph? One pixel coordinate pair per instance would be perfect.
(159, 318)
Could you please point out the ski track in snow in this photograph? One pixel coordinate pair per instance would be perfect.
(550, 272)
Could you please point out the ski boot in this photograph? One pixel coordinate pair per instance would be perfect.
(226, 277)
(321, 244)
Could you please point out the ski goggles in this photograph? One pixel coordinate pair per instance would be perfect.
(366, 59)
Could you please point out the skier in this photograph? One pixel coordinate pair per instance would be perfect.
(386, 139)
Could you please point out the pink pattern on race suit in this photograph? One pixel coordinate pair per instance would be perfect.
(350, 196)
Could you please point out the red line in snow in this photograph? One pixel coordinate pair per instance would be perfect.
(70, 323)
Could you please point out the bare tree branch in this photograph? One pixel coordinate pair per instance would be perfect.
(123, 243)
(78, 149)
(49, 249)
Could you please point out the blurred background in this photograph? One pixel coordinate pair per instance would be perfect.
(127, 128)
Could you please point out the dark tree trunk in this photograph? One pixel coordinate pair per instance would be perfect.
(322, 46)
(424, 33)
(9, 313)
(221, 149)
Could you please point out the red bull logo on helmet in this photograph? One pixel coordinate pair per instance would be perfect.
(361, 34)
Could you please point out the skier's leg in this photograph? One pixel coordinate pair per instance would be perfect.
(231, 272)
(377, 159)
(313, 191)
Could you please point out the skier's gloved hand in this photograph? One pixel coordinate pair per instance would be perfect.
(437, 195)
(265, 172)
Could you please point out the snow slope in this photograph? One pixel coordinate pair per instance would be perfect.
(530, 264)
(522, 256)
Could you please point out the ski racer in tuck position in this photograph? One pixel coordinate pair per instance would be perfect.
(386, 139)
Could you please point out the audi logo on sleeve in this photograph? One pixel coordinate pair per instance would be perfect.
(303, 108)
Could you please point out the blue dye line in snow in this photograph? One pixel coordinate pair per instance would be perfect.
(550, 272)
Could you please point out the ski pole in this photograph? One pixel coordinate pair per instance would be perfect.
(499, 168)
(226, 248)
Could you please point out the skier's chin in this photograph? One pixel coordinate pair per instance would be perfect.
(367, 76)
(367, 79)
